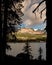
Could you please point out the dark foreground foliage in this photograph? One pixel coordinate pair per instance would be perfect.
(15, 61)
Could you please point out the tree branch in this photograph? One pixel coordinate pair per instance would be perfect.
(45, 20)
(43, 10)
(38, 6)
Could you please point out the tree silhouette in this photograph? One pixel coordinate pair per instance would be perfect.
(12, 16)
(34, 11)
(40, 54)
(3, 24)
(39, 6)
(9, 15)
(27, 50)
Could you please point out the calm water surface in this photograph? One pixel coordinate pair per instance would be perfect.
(18, 48)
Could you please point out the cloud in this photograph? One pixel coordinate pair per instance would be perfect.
(28, 3)
(36, 1)
(28, 23)
(29, 18)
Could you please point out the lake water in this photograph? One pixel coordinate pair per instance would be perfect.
(18, 48)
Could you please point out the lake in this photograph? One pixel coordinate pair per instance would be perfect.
(18, 48)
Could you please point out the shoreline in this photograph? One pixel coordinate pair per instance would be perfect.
(25, 41)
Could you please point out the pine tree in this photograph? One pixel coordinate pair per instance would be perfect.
(9, 17)
(27, 50)
(40, 54)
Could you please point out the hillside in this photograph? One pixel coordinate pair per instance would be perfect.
(25, 34)
(30, 31)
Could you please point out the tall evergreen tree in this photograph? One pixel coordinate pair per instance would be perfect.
(9, 17)
(27, 50)
(40, 54)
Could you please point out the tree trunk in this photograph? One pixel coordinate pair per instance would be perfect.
(3, 37)
(0, 33)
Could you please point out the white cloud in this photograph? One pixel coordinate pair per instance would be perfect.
(29, 18)
(26, 4)
(35, 29)
(28, 22)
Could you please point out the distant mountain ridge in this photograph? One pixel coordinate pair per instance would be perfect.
(29, 34)
(30, 30)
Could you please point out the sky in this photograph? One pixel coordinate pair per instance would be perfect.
(29, 19)
(40, 26)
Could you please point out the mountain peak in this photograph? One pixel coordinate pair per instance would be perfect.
(30, 31)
